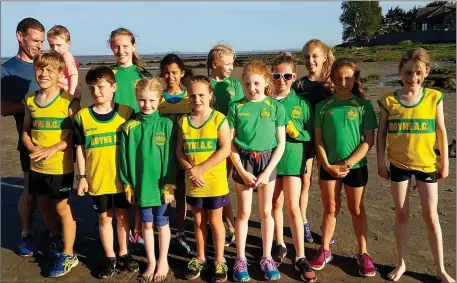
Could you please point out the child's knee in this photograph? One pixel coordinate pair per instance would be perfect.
(293, 211)
(243, 214)
(147, 226)
(432, 221)
(63, 208)
(331, 209)
(215, 223)
(402, 216)
(356, 211)
(104, 220)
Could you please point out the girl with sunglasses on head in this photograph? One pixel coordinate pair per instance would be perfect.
(292, 164)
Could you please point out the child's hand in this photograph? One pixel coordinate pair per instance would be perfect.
(383, 172)
(43, 154)
(131, 198)
(248, 178)
(337, 171)
(195, 175)
(35, 148)
(443, 172)
(262, 179)
(168, 199)
(83, 187)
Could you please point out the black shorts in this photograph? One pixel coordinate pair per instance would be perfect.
(103, 203)
(54, 186)
(310, 150)
(357, 177)
(400, 175)
(254, 162)
(25, 159)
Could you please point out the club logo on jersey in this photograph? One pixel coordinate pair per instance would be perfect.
(160, 138)
(296, 112)
(231, 91)
(135, 83)
(352, 113)
(265, 114)
(115, 71)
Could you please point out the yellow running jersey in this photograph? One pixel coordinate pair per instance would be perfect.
(51, 125)
(174, 111)
(101, 140)
(411, 133)
(199, 144)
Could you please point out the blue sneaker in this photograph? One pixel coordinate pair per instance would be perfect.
(27, 246)
(240, 270)
(55, 246)
(270, 268)
(63, 265)
(308, 235)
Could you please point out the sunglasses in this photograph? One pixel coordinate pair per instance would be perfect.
(285, 76)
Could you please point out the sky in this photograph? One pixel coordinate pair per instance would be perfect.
(189, 26)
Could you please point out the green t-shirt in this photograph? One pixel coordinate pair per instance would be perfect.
(343, 123)
(256, 122)
(299, 130)
(226, 92)
(126, 79)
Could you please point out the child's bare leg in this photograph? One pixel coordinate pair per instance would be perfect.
(162, 267)
(227, 212)
(122, 216)
(148, 234)
(428, 193)
(331, 202)
(244, 196)
(200, 231)
(291, 189)
(218, 232)
(355, 203)
(105, 227)
(266, 217)
(278, 217)
(65, 213)
(306, 184)
(400, 195)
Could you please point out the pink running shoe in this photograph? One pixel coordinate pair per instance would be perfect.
(321, 259)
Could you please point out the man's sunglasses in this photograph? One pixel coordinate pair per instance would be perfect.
(285, 76)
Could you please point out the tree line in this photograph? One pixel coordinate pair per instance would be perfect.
(363, 20)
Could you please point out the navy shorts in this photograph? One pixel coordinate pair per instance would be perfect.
(357, 177)
(55, 186)
(159, 215)
(254, 163)
(400, 175)
(208, 202)
(104, 203)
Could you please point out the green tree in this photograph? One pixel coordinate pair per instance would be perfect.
(361, 20)
(395, 20)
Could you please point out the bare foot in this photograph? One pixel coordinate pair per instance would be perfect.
(161, 271)
(148, 275)
(444, 277)
(397, 273)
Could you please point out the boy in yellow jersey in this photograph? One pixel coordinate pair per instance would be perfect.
(96, 131)
(47, 136)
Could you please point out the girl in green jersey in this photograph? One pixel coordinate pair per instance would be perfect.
(128, 70)
(292, 164)
(344, 133)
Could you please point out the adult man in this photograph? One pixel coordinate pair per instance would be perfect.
(18, 79)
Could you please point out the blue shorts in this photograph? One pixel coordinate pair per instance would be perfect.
(159, 215)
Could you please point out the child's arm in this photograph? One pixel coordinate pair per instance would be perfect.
(124, 175)
(170, 177)
(263, 178)
(248, 178)
(441, 136)
(218, 156)
(369, 124)
(26, 139)
(79, 141)
(45, 153)
(184, 162)
(70, 63)
(332, 169)
(383, 172)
